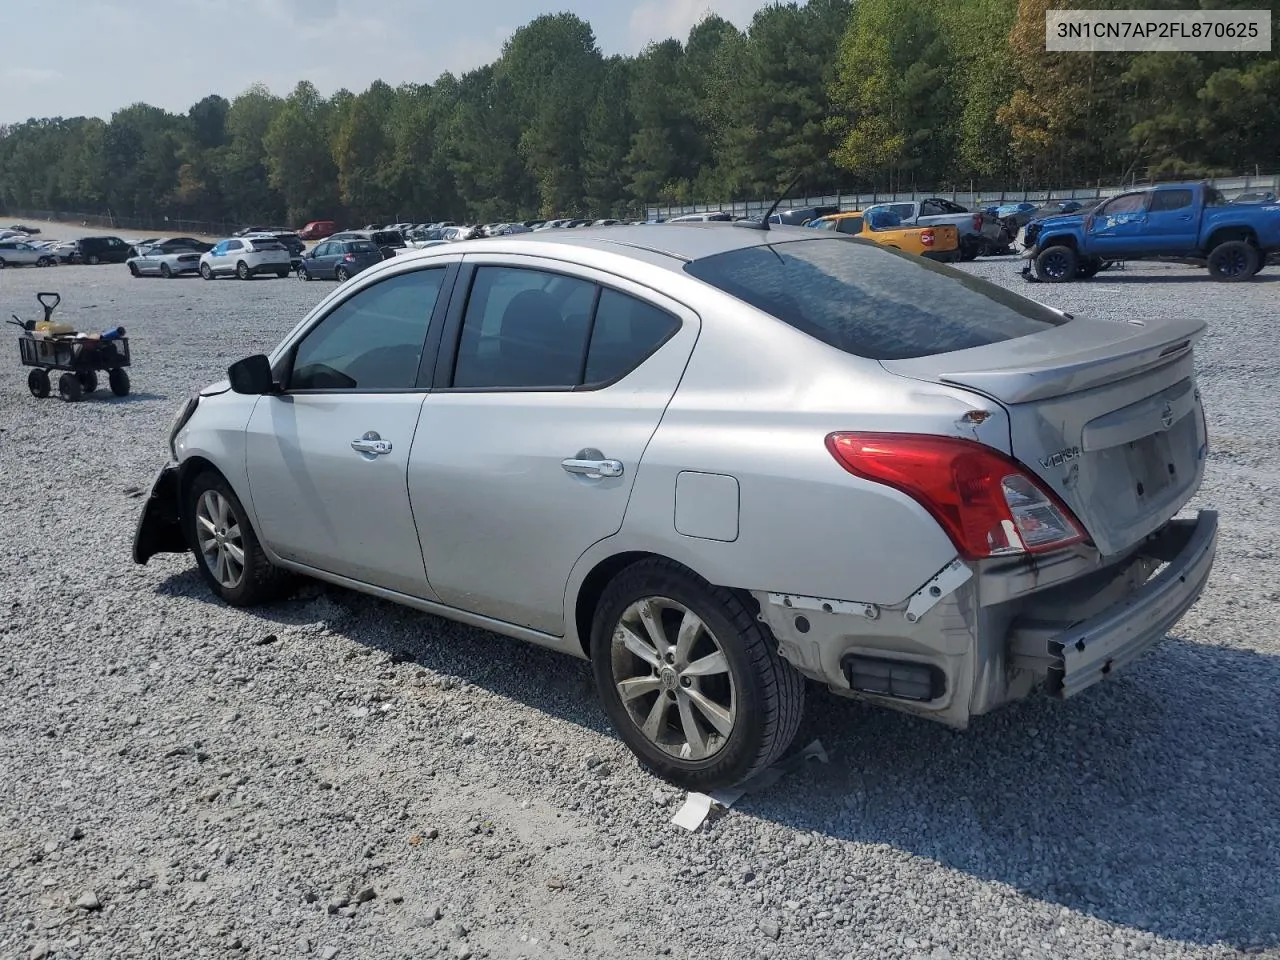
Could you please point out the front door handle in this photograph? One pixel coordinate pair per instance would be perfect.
(371, 444)
(593, 468)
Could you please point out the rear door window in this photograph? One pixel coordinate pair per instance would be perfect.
(1166, 200)
(870, 301)
(850, 225)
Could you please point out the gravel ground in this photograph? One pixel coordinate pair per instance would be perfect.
(336, 776)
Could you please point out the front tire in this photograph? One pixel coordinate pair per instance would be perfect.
(69, 388)
(225, 545)
(38, 383)
(118, 380)
(93, 261)
(1056, 265)
(206, 272)
(691, 679)
(133, 271)
(88, 380)
(303, 275)
(1234, 261)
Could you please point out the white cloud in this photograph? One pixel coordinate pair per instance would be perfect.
(660, 19)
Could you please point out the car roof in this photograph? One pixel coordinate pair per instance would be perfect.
(677, 242)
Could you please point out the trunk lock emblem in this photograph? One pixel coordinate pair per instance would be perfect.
(1166, 415)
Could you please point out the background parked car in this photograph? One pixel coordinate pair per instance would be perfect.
(29, 231)
(164, 262)
(338, 259)
(291, 242)
(19, 253)
(246, 257)
(318, 229)
(104, 250)
(937, 243)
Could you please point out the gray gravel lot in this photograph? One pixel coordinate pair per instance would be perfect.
(336, 776)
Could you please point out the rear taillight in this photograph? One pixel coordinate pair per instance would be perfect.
(926, 237)
(977, 221)
(349, 258)
(988, 504)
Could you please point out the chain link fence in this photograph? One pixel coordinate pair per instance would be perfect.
(1230, 186)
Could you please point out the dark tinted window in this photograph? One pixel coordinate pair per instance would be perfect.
(1126, 203)
(361, 246)
(523, 328)
(870, 301)
(626, 330)
(849, 225)
(1170, 200)
(266, 245)
(373, 340)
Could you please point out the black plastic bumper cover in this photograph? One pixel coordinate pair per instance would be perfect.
(160, 526)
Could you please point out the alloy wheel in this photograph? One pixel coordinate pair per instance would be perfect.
(220, 539)
(673, 678)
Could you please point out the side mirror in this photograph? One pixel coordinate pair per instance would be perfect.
(252, 375)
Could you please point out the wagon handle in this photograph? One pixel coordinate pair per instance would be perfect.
(48, 307)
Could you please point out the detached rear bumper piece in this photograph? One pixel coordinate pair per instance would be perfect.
(1088, 652)
(160, 526)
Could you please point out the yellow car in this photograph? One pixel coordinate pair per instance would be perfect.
(937, 243)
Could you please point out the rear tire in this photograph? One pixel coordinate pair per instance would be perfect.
(1234, 261)
(70, 388)
(342, 274)
(741, 721)
(165, 271)
(88, 380)
(968, 250)
(1088, 268)
(38, 383)
(93, 261)
(1056, 265)
(118, 380)
(282, 274)
(225, 545)
(133, 271)
(242, 270)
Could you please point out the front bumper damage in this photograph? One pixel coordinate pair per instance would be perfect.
(978, 636)
(159, 527)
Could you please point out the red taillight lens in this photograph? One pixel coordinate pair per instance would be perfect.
(988, 504)
(926, 237)
(977, 221)
(350, 258)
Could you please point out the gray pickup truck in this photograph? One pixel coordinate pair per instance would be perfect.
(979, 234)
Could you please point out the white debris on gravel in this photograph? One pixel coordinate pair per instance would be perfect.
(379, 783)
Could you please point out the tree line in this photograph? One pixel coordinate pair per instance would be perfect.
(852, 94)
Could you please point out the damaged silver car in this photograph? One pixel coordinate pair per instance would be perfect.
(715, 459)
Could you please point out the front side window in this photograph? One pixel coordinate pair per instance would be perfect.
(373, 340)
(1125, 203)
(872, 302)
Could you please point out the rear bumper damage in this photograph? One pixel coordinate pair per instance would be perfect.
(1074, 658)
(979, 636)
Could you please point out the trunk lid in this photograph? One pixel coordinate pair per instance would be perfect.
(1105, 413)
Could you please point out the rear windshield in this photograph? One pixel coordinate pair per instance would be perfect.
(870, 301)
(388, 238)
(266, 245)
(361, 246)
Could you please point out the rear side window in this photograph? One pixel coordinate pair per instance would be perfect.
(849, 225)
(625, 332)
(870, 301)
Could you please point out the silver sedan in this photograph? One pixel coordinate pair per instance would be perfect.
(714, 460)
(157, 262)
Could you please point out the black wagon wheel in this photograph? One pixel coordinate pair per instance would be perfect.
(88, 380)
(118, 380)
(69, 388)
(38, 383)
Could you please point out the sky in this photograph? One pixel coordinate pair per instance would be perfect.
(92, 57)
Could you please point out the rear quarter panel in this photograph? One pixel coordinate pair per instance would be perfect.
(1262, 220)
(756, 403)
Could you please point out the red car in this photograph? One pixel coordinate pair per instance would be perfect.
(318, 229)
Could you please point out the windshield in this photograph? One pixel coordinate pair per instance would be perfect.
(871, 301)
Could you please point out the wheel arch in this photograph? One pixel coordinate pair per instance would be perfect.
(1226, 234)
(605, 571)
(1057, 240)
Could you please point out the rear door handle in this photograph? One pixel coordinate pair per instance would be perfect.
(371, 444)
(593, 468)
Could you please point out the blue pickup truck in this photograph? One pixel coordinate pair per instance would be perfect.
(1184, 221)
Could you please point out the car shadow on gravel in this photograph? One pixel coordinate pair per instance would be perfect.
(1193, 275)
(1151, 801)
